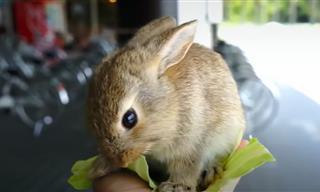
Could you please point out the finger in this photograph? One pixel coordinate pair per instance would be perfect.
(122, 181)
(243, 143)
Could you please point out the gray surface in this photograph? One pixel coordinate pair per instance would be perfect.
(32, 164)
(294, 139)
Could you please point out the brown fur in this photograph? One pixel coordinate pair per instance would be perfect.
(189, 111)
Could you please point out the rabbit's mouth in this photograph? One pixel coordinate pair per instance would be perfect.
(130, 156)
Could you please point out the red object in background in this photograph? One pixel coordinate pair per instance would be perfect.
(30, 20)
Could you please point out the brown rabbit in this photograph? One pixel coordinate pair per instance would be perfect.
(164, 96)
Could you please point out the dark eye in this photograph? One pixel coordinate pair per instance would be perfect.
(130, 119)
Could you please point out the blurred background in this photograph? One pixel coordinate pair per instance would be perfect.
(49, 49)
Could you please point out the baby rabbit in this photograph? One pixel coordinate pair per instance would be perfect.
(164, 96)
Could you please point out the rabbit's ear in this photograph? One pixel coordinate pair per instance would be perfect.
(151, 29)
(175, 44)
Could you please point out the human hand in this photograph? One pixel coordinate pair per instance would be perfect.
(121, 181)
(127, 181)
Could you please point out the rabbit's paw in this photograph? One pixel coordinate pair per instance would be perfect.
(99, 168)
(174, 187)
(209, 176)
(218, 172)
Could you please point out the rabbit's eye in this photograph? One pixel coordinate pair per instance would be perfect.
(130, 119)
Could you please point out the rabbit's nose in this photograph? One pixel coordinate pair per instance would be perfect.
(124, 165)
(130, 156)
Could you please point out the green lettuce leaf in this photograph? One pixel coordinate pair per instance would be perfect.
(79, 178)
(239, 163)
(140, 166)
